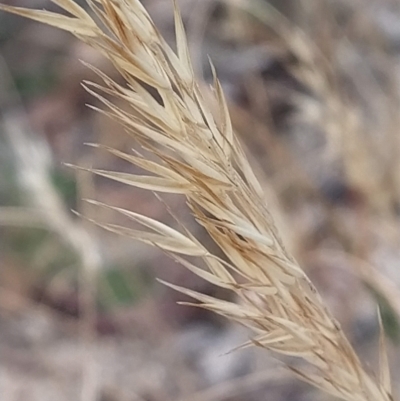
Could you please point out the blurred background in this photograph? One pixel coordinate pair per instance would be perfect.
(313, 88)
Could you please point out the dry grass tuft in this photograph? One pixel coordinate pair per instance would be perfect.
(198, 156)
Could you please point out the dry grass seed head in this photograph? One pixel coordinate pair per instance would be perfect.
(199, 157)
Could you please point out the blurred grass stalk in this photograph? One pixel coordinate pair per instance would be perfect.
(48, 210)
(197, 155)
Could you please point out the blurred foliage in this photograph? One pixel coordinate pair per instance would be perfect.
(66, 186)
(24, 242)
(31, 83)
(9, 194)
(390, 319)
(119, 286)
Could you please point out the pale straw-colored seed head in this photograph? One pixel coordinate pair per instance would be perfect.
(199, 157)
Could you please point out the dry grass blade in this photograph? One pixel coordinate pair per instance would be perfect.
(384, 369)
(197, 154)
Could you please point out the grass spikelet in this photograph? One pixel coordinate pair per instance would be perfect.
(199, 157)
